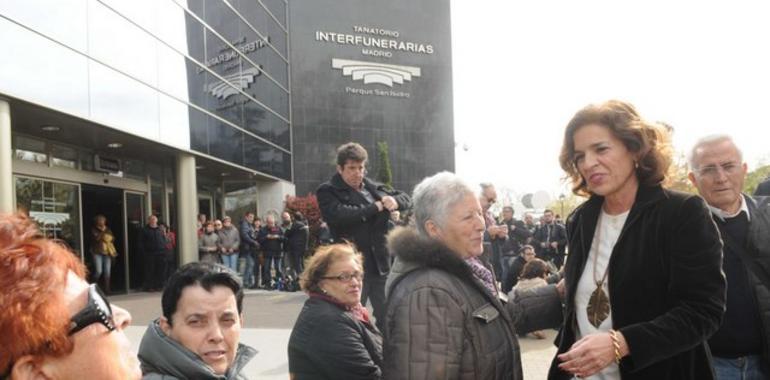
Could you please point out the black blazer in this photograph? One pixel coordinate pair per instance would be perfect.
(665, 282)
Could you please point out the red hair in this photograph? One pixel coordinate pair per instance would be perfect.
(33, 274)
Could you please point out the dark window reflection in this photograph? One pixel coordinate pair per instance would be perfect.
(225, 142)
(195, 38)
(199, 136)
(262, 157)
(278, 9)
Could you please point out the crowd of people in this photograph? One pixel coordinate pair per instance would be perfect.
(642, 282)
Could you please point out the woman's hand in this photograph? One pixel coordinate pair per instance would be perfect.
(591, 354)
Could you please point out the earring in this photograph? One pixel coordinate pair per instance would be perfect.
(636, 164)
(324, 291)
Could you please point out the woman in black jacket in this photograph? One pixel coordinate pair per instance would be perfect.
(644, 285)
(333, 337)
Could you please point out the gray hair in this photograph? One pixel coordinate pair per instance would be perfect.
(708, 140)
(435, 196)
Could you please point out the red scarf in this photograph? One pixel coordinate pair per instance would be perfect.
(358, 311)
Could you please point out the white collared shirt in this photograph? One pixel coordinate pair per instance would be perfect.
(722, 215)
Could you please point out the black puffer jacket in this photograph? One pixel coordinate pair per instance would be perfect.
(296, 239)
(441, 321)
(329, 343)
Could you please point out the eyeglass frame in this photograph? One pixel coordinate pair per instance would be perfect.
(712, 171)
(92, 313)
(346, 277)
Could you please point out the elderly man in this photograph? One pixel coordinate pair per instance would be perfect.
(198, 336)
(357, 209)
(740, 346)
(53, 324)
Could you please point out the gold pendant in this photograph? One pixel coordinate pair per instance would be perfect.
(598, 308)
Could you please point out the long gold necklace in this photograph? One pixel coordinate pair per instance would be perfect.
(598, 308)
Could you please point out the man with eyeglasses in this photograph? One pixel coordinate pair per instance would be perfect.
(740, 346)
(198, 335)
(357, 209)
(53, 324)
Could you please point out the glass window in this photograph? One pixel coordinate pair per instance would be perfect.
(63, 85)
(266, 91)
(29, 149)
(122, 45)
(239, 198)
(277, 8)
(174, 122)
(134, 169)
(264, 158)
(199, 135)
(61, 20)
(172, 74)
(54, 206)
(64, 157)
(225, 142)
(123, 103)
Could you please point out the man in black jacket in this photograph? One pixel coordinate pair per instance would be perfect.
(152, 244)
(740, 346)
(550, 240)
(357, 209)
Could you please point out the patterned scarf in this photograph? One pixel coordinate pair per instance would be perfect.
(482, 274)
(358, 311)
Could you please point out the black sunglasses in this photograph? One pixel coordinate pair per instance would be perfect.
(97, 310)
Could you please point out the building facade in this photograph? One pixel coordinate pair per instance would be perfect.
(380, 72)
(175, 108)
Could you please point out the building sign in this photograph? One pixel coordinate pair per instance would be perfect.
(106, 164)
(381, 43)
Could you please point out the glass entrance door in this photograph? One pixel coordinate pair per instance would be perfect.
(136, 216)
(55, 206)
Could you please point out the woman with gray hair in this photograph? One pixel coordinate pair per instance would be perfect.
(445, 319)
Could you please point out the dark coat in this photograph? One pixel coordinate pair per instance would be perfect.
(273, 246)
(151, 241)
(329, 343)
(758, 248)
(763, 188)
(442, 323)
(296, 239)
(558, 235)
(666, 285)
(249, 244)
(351, 217)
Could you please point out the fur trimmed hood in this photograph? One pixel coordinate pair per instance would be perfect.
(414, 251)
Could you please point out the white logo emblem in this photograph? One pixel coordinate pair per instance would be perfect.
(373, 72)
(242, 80)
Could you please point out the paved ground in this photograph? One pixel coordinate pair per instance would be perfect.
(268, 319)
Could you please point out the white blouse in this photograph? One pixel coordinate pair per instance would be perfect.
(608, 230)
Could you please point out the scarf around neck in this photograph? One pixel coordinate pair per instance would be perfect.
(358, 311)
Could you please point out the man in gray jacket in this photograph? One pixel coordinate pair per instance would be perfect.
(198, 336)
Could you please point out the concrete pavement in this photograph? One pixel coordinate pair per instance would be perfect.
(268, 320)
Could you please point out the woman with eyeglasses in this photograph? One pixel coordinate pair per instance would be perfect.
(53, 324)
(644, 282)
(334, 337)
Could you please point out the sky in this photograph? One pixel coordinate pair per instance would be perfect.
(521, 69)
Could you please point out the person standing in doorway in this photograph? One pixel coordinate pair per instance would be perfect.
(103, 251)
(152, 243)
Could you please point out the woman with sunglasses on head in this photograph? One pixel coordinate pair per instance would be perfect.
(334, 337)
(53, 324)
